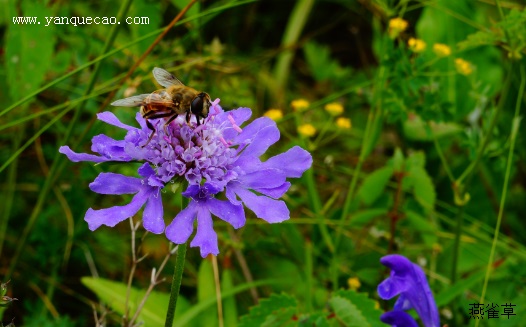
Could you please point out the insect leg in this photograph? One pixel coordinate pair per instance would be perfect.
(153, 115)
(171, 119)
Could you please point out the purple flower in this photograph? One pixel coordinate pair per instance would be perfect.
(217, 156)
(147, 190)
(202, 204)
(267, 178)
(409, 281)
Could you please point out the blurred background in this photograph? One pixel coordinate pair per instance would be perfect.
(411, 110)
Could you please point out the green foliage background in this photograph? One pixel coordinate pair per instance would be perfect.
(433, 167)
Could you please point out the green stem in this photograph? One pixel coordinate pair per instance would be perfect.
(179, 268)
(308, 272)
(297, 21)
(314, 195)
(513, 138)
(176, 285)
(467, 174)
(58, 164)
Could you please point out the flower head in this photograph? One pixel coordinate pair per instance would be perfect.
(344, 123)
(441, 50)
(396, 26)
(463, 67)
(334, 108)
(307, 130)
(217, 156)
(354, 283)
(299, 105)
(409, 281)
(274, 114)
(416, 45)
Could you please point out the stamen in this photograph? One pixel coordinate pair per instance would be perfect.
(225, 143)
(236, 127)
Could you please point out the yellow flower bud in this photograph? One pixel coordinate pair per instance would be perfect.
(463, 67)
(274, 114)
(334, 108)
(416, 45)
(396, 26)
(344, 123)
(307, 130)
(354, 283)
(441, 50)
(300, 104)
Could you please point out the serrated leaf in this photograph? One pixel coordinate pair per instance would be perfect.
(374, 184)
(316, 319)
(275, 308)
(367, 306)
(423, 187)
(114, 295)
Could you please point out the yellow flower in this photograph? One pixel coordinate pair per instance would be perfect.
(274, 114)
(441, 50)
(354, 283)
(307, 130)
(344, 123)
(300, 104)
(416, 45)
(396, 26)
(463, 67)
(334, 108)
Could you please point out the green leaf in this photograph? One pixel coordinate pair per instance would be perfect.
(355, 309)
(420, 224)
(114, 295)
(423, 187)
(320, 63)
(270, 311)
(317, 320)
(229, 303)
(29, 49)
(206, 290)
(364, 217)
(374, 184)
(416, 129)
(145, 9)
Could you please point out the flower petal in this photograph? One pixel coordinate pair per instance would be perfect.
(258, 135)
(276, 192)
(182, 226)
(152, 217)
(398, 318)
(111, 183)
(109, 148)
(265, 178)
(146, 170)
(206, 237)
(76, 157)
(232, 214)
(294, 162)
(240, 116)
(391, 287)
(110, 118)
(273, 211)
(114, 215)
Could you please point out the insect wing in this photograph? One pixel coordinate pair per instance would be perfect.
(160, 98)
(134, 101)
(165, 78)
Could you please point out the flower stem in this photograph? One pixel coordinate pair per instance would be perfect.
(513, 138)
(176, 285)
(464, 179)
(178, 271)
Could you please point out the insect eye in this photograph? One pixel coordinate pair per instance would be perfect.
(197, 105)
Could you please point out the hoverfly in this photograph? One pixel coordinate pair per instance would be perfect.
(174, 100)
